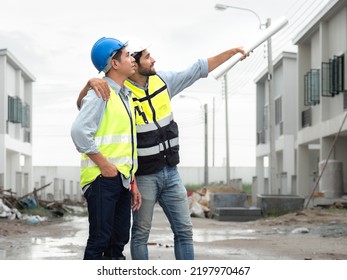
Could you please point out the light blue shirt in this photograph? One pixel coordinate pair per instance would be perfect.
(178, 81)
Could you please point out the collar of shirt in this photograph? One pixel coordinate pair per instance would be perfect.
(139, 86)
(124, 91)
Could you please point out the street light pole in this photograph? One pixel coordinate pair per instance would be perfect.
(213, 131)
(227, 166)
(272, 161)
(206, 145)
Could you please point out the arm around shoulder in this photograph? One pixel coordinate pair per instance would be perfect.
(100, 86)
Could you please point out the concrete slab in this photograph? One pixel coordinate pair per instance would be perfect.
(218, 200)
(239, 214)
(279, 204)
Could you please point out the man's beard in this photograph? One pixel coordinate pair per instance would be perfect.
(147, 72)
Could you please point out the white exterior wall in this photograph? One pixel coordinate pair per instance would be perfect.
(3, 111)
(285, 81)
(15, 152)
(324, 38)
(65, 179)
(195, 175)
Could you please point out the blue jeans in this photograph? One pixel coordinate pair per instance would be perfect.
(166, 188)
(109, 217)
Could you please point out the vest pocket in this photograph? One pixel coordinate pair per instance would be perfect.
(172, 153)
(172, 130)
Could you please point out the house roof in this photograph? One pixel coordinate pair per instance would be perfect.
(16, 64)
(325, 14)
(276, 62)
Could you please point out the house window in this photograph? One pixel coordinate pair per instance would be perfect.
(26, 116)
(261, 137)
(306, 118)
(345, 101)
(265, 117)
(311, 87)
(14, 109)
(333, 76)
(326, 79)
(338, 73)
(18, 112)
(278, 110)
(278, 114)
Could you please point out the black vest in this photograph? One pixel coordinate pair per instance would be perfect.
(157, 132)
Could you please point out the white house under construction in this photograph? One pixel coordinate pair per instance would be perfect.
(310, 102)
(15, 125)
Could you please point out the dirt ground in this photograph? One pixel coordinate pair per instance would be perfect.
(305, 235)
(317, 234)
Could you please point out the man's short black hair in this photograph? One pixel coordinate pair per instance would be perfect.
(137, 56)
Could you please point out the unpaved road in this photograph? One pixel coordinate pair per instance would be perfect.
(315, 234)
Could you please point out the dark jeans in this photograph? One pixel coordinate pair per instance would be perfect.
(109, 217)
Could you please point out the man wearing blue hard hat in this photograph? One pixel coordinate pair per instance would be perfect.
(104, 133)
(157, 176)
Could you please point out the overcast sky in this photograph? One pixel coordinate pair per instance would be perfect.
(53, 39)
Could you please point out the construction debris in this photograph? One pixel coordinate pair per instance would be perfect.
(223, 202)
(200, 200)
(30, 207)
(335, 204)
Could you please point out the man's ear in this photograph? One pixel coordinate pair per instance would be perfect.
(115, 63)
(136, 66)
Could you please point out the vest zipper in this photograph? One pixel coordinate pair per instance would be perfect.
(155, 118)
(132, 136)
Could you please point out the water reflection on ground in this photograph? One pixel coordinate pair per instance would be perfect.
(67, 240)
(64, 241)
(210, 235)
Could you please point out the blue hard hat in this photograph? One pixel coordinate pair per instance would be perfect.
(102, 50)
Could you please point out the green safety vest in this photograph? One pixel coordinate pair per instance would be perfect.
(116, 140)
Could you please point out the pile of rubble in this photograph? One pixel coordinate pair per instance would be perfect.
(199, 200)
(30, 207)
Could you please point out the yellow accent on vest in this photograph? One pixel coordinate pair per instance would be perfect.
(116, 140)
(160, 102)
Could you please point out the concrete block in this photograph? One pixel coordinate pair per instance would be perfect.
(218, 200)
(279, 204)
(238, 214)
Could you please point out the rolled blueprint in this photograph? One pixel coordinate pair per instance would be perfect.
(266, 34)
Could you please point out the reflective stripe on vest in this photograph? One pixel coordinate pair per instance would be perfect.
(111, 139)
(140, 128)
(116, 161)
(157, 148)
(116, 140)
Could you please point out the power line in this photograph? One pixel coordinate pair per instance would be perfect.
(299, 14)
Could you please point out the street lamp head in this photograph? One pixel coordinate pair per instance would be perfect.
(223, 7)
(220, 7)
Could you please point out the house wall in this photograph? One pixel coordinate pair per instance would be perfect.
(16, 147)
(324, 38)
